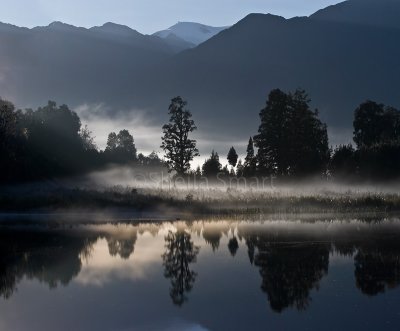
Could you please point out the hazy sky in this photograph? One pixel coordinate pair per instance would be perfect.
(148, 16)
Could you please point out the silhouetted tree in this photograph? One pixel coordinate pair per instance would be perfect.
(225, 171)
(374, 123)
(152, 160)
(273, 136)
(233, 246)
(250, 162)
(291, 139)
(379, 161)
(126, 143)
(377, 135)
(12, 142)
(343, 161)
(239, 169)
(179, 148)
(120, 147)
(8, 124)
(180, 253)
(87, 139)
(198, 172)
(232, 157)
(54, 142)
(112, 142)
(212, 166)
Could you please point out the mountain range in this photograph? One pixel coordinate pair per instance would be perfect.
(193, 33)
(341, 55)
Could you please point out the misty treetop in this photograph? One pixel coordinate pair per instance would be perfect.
(120, 147)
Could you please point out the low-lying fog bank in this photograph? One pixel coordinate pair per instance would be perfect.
(162, 197)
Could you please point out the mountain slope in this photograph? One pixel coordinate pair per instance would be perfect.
(194, 33)
(226, 79)
(74, 65)
(379, 13)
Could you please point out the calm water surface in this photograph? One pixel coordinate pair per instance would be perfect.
(203, 275)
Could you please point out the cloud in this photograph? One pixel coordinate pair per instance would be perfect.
(102, 120)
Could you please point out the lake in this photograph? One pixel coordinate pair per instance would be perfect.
(273, 274)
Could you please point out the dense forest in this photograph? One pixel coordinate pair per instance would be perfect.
(291, 143)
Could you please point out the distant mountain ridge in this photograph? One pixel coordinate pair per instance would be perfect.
(340, 55)
(194, 33)
(379, 13)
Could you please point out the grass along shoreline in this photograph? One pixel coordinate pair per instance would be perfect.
(206, 202)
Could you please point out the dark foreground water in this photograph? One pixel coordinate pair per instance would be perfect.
(264, 275)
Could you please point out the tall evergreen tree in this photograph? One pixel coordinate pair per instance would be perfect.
(179, 148)
(272, 135)
(212, 166)
(250, 162)
(232, 157)
(239, 169)
(291, 139)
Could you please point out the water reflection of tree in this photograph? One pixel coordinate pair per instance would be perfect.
(180, 253)
(233, 246)
(122, 247)
(377, 268)
(212, 234)
(50, 257)
(289, 271)
(8, 278)
(121, 243)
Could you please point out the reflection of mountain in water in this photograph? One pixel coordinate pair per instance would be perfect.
(291, 258)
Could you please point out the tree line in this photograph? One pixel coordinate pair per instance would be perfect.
(291, 142)
(288, 273)
(51, 142)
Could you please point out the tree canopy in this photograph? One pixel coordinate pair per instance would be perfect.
(291, 139)
(178, 147)
(212, 166)
(120, 147)
(374, 123)
(232, 157)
